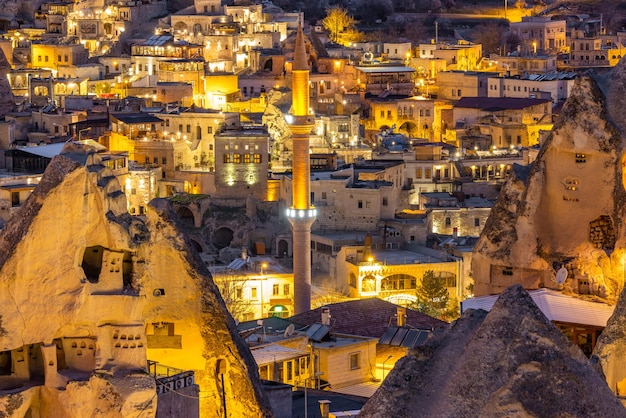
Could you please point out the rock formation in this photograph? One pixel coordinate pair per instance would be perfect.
(509, 362)
(609, 355)
(566, 210)
(88, 294)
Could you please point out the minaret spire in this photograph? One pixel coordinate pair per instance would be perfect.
(301, 214)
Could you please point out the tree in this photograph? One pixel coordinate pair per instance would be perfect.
(433, 298)
(231, 289)
(490, 35)
(338, 22)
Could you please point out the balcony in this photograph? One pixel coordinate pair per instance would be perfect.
(170, 379)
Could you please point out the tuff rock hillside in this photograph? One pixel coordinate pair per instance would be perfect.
(567, 209)
(509, 362)
(88, 294)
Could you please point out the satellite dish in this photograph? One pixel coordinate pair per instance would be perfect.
(290, 330)
(561, 275)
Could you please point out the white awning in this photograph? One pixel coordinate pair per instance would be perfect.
(556, 306)
(275, 353)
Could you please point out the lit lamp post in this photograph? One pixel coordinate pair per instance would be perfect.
(81, 132)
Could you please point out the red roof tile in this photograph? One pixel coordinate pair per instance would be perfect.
(365, 317)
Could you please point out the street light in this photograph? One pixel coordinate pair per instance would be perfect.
(81, 131)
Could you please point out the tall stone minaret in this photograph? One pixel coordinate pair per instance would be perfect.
(301, 214)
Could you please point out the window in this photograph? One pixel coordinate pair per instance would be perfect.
(46, 58)
(385, 201)
(253, 293)
(257, 158)
(418, 173)
(354, 361)
(286, 289)
(237, 158)
(238, 292)
(188, 129)
(164, 160)
(448, 221)
(581, 158)
(323, 195)
(39, 58)
(133, 191)
(198, 132)
(360, 204)
(427, 173)
(227, 159)
(65, 58)
(180, 128)
(368, 204)
(209, 130)
(275, 289)
(246, 158)
(476, 221)
(59, 57)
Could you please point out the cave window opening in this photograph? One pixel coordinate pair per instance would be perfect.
(92, 263)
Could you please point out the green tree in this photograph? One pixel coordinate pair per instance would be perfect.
(340, 25)
(433, 298)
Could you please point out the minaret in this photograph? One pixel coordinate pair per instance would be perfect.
(301, 214)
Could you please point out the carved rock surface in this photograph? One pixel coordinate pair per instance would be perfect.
(88, 294)
(509, 362)
(566, 210)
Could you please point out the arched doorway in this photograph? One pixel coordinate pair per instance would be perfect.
(283, 248)
(279, 311)
(368, 284)
(186, 216)
(410, 128)
(222, 237)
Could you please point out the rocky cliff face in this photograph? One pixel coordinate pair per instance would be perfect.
(509, 362)
(567, 210)
(88, 294)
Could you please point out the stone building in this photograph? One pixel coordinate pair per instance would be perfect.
(563, 212)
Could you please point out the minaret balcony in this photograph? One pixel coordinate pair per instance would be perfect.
(293, 213)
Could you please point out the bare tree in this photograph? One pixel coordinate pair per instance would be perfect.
(231, 287)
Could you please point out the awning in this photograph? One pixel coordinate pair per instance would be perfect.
(556, 306)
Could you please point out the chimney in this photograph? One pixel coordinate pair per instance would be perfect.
(325, 316)
(401, 316)
(244, 253)
(324, 407)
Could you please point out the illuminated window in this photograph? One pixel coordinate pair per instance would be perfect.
(418, 173)
(581, 158)
(246, 158)
(253, 293)
(257, 158)
(237, 158)
(286, 289)
(427, 173)
(354, 361)
(227, 158)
